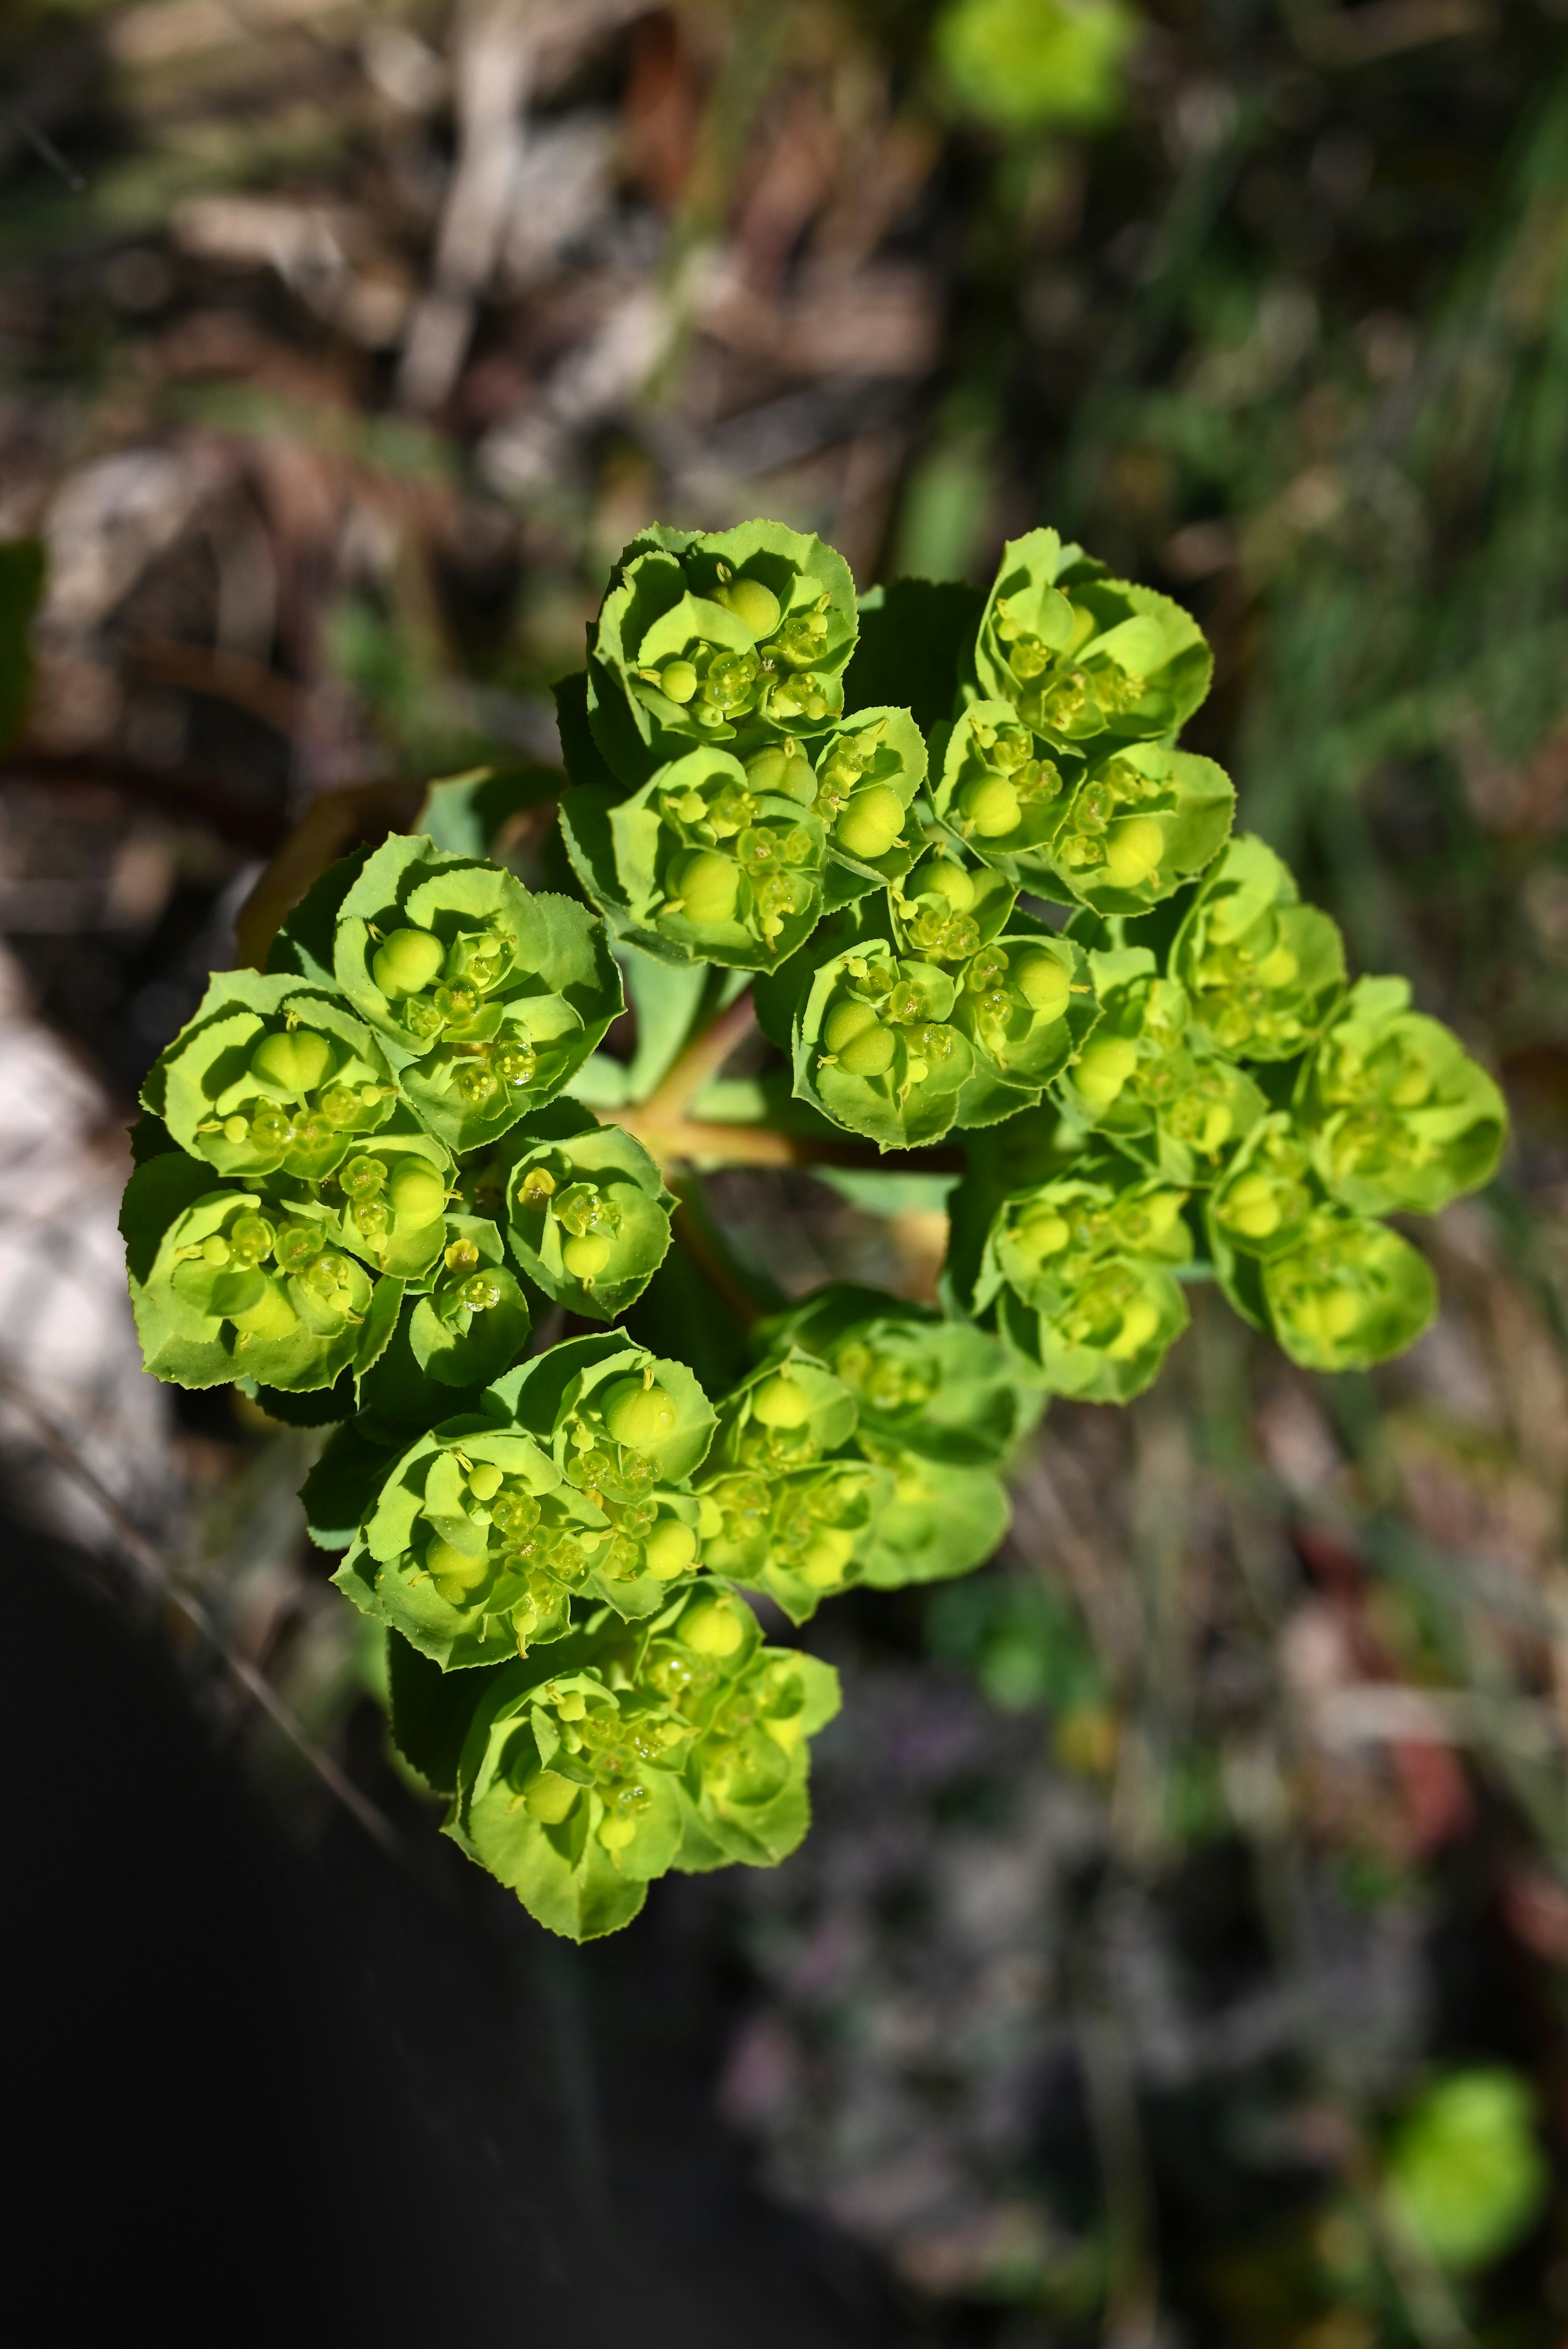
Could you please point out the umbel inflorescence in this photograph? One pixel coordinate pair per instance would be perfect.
(367, 1174)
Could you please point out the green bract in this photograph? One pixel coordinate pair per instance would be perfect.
(271, 1075)
(1262, 970)
(785, 1507)
(1148, 1085)
(492, 998)
(739, 639)
(700, 865)
(1079, 1271)
(588, 1218)
(1399, 1114)
(1078, 654)
(227, 1282)
(680, 1745)
(355, 1173)
(1349, 1293)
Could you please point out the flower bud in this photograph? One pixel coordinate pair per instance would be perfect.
(638, 1414)
(407, 962)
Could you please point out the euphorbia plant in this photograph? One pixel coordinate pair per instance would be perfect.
(395, 1185)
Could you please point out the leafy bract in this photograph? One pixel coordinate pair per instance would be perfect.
(739, 639)
(226, 1282)
(943, 1389)
(1349, 1293)
(1146, 1082)
(678, 1743)
(1399, 1113)
(474, 1322)
(1081, 655)
(588, 1216)
(700, 865)
(787, 1507)
(1261, 971)
(493, 998)
(1078, 1275)
(270, 1076)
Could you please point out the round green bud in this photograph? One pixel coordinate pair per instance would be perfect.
(784, 771)
(755, 606)
(713, 1627)
(586, 1258)
(638, 1416)
(677, 680)
(1044, 1233)
(669, 1549)
(705, 887)
(1044, 983)
(990, 806)
(484, 1480)
(846, 1022)
(406, 961)
(871, 822)
(418, 1193)
(827, 1558)
(869, 1052)
(779, 1402)
(950, 883)
(1139, 1322)
(1103, 1067)
(296, 1061)
(1133, 851)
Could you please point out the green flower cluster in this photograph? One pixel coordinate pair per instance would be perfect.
(362, 1178)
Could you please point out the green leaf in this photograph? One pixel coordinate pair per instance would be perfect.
(345, 1484)
(866, 776)
(497, 997)
(431, 1712)
(915, 648)
(21, 585)
(1398, 1113)
(1261, 971)
(467, 814)
(588, 1216)
(305, 944)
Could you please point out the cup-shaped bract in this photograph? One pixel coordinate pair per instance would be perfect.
(492, 997)
(1143, 820)
(588, 1218)
(1026, 1004)
(1261, 971)
(786, 1509)
(1268, 1193)
(475, 1321)
(867, 775)
(944, 1389)
(567, 1791)
(700, 865)
(1350, 1292)
(1140, 1079)
(229, 1282)
(476, 1546)
(1399, 1113)
(741, 637)
(1079, 654)
(271, 1076)
(742, 1783)
(877, 1048)
(1080, 1271)
(998, 793)
(938, 1521)
(609, 1409)
(392, 1199)
(946, 909)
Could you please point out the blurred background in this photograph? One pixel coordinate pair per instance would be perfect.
(1178, 1956)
